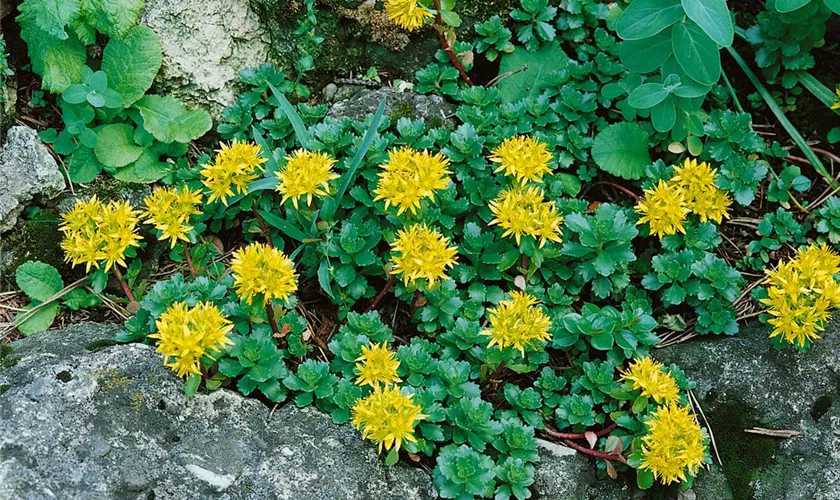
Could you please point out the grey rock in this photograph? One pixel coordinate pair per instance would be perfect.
(357, 101)
(112, 422)
(330, 90)
(205, 46)
(8, 105)
(27, 171)
(771, 389)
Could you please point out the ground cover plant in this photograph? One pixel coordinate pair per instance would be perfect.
(455, 292)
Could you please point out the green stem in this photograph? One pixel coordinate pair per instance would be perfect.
(732, 91)
(816, 87)
(780, 115)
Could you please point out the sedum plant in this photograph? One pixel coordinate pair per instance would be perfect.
(456, 292)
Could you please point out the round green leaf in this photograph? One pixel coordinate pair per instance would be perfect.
(697, 54)
(790, 5)
(622, 149)
(688, 87)
(146, 169)
(713, 18)
(83, 165)
(644, 56)
(834, 5)
(115, 145)
(532, 80)
(38, 280)
(647, 95)
(645, 18)
(132, 63)
(664, 115)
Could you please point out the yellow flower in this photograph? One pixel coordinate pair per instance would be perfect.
(523, 211)
(674, 444)
(407, 14)
(387, 416)
(702, 196)
(95, 233)
(648, 375)
(306, 173)
(522, 157)
(235, 167)
(186, 335)
(263, 271)
(377, 365)
(663, 207)
(801, 293)
(409, 176)
(836, 105)
(518, 323)
(423, 253)
(169, 210)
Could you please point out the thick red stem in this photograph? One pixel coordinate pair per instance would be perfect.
(381, 294)
(189, 260)
(124, 284)
(450, 53)
(593, 453)
(575, 435)
(271, 320)
(264, 229)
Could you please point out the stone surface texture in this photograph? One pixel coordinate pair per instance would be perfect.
(27, 170)
(81, 419)
(776, 390)
(205, 46)
(357, 101)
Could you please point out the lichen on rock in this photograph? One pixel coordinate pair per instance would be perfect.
(80, 421)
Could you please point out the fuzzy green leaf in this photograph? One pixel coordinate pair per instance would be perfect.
(59, 62)
(169, 121)
(622, 149)
(532, 80)
(38, 280)
(132, 63)
(39, 321)
(113, 17)
(115, 145)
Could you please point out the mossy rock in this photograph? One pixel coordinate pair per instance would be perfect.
(743, 382)
(358, 35)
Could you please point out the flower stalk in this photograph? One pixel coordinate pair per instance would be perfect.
(447, 47)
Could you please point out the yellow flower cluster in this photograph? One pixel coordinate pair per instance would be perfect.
(522, 157)
(263, 271)
(518, 323)
(409, 176)
(674, 444)
(648, 375)
(169, 210)
(522, 211)
(96, 233)
(836, 105)
(422, 252)
(387, 416)
(691, 189)
(377, 365)
(306, 173)
(801, 293)
(234, 168)
(185, 335)
(407, 14)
